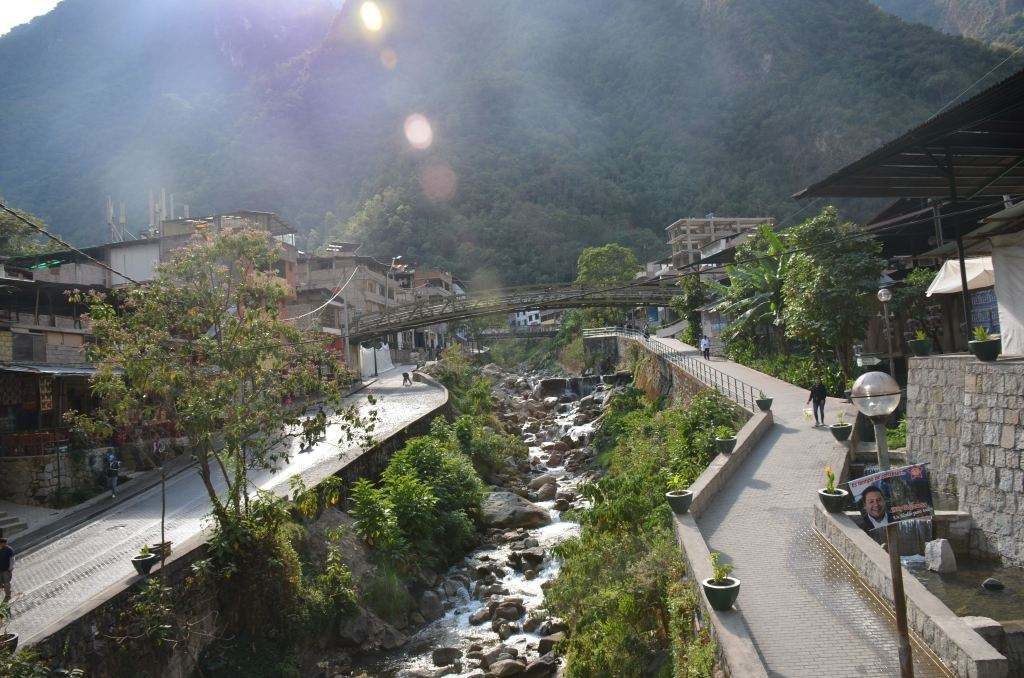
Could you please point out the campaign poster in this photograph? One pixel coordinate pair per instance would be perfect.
(894, 495)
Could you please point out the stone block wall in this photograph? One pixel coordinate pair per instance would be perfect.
(965, 418)
(935, 400)
(34, 479)
(6, 346)
(992, 458)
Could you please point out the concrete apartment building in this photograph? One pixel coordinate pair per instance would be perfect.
(688, 236)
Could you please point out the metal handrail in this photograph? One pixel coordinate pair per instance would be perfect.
(737, 390)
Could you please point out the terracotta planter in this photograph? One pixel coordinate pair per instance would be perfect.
(764, 404)
(920, 347)
(143, 564)
(834, 503)
(725, 445)
(721, 596)
(679, 500)
(841, 432)
(988, 350)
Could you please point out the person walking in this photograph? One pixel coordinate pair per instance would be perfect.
(6, 568)
(817, 400)
(113, 470)
(705, 347)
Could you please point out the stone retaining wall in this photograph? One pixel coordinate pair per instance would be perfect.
(959, 647)
(964, 417)
(35, 479)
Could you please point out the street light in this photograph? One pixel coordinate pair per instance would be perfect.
(877, 395)
(885, 296)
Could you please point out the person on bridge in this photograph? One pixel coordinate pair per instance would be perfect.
(6, 567)
(705, 347)
(817, 400)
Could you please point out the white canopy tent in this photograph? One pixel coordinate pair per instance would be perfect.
(980, 274)
(1008, 260)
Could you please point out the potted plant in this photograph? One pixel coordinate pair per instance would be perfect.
(725, 439)
(720, 589)
(163, 549)
(145, 561)
(764, 403)
(920, 345)
(680, 498)
(985, 346)
(841, 429)
(8, 640)
(833, 499)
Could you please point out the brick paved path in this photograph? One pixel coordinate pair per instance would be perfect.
(54, 580)
(806, 611)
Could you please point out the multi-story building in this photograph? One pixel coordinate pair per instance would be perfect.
(688, 236)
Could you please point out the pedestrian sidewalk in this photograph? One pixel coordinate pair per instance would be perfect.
(806, 611)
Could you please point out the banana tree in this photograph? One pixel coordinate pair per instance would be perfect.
(753, 298)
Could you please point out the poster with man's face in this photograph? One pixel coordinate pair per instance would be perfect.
(894, 495)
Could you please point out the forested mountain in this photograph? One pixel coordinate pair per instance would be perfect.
(996, 21)
(556, 124)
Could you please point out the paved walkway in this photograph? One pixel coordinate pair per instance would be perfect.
(58, 577)
(807, 612)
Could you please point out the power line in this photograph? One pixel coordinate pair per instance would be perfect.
(969, 87)
(65, 244)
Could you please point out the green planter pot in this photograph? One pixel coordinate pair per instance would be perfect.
(834, 503)
(679, 500)
(9, 642)
(986, 351)
(764, 404)
(841, 432)
(725, 445)
(920, 347)
(143, 564)
(721, 596)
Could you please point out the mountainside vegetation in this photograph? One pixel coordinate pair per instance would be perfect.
(551, 126)
(997, 21)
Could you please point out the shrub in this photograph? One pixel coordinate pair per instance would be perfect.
(619, 586)
(897, 437)
(386, 595)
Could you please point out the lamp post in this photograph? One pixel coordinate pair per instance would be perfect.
(877, 395)
(885, 296)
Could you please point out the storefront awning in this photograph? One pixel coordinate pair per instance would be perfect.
(947, 281)
(46, 368)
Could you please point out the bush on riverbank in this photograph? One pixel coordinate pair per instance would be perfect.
(517, 354)
(620, 588)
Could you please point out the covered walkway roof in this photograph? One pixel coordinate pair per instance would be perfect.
(972, 150)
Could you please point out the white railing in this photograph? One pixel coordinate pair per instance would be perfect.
(737, 390)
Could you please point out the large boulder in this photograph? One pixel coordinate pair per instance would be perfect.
(540, 481)
(507, 667)
(550, 387)
(542, 667)
(505, 509)
(431, 606)
(547, 643)
(939, 557)
(444, 656)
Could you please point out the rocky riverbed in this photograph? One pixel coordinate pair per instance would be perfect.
(486, 615)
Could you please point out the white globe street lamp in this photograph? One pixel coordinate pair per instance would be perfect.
(877, 395)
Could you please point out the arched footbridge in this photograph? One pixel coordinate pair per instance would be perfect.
(428, 312)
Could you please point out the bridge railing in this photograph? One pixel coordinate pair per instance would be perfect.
(737, 390)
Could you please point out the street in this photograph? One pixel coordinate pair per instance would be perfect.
(52, 581)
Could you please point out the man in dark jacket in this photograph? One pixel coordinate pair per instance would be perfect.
(817, 400)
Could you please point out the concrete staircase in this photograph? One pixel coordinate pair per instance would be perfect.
(11, 525)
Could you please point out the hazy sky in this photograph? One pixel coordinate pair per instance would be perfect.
(16, 12)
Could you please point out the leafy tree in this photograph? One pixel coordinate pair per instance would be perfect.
(692, 296)
(909, 299)
(829, 289)
(754, 299)
(202, 347)
(605, 266)
(17, 239)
